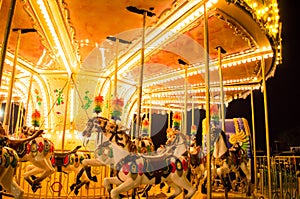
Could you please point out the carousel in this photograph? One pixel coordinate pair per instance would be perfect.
(111, 99)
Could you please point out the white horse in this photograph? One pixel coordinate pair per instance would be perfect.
(105, 130)
(134, 169)
(71, 161)
(197, 161)
(8, 167)
(38, 151)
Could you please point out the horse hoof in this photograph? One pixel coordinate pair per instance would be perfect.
(145, 195)
(203, 190)
(72, 187)
(94, 178)
(76, 192)
(35, 187)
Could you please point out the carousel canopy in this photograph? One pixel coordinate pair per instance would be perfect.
(160, 46)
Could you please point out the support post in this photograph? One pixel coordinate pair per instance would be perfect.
(221, 51)
(12, 79)
(266, 125)
(6, 36)
(145, 13)
(207, 101)
(254, 143)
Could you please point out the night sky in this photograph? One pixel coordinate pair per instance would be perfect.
(283, 94)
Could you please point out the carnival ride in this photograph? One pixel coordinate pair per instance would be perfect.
(65, 62)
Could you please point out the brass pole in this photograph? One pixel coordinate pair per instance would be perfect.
(117, 40)
(207, 101)
(8, 104)
(6, 37)
(109, 99)
(185, 100)
(266, 124)
(28, 98)
(66, 113)
(145, 13)
(140, 85)
(254, 143)
(150, 115)
(169, 117)
(193, 112)
(116, 69)
(221, 50)
(7, 114)
(65, 124)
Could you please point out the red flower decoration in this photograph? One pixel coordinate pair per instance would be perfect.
(118, 101)
(214, 109)
(145, 122)
(36, 114)
(36, 91)
(177, 116)
(98, 99)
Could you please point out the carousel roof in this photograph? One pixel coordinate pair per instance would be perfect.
(91, 39)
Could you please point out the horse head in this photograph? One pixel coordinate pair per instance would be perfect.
(93, 125)
(177, 143)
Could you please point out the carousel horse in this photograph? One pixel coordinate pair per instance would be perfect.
(8, 167)
(71, 161)
(67, 162)
(108, 130)
(38, 151)
(197, 163)
(219, 154)
(136, 169)
(226, 160)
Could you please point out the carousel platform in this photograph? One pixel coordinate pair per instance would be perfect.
(198, 195)
(156, 193)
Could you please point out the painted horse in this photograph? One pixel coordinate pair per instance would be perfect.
(238, 133)
(71, 161)
(8, 167)
(136, 169)
(197, 163)
(230, 157)
(108, 130)
(38, 151)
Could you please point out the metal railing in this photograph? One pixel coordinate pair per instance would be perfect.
(284, 175)
(58, 185)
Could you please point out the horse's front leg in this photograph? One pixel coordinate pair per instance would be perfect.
(47, 168)
(203, 186)
(29, 176)
(109, 181)
(127, 185)
(246, 171)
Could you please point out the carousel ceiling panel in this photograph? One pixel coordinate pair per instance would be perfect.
(33, 47)
(82, 28)
(95, 20)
